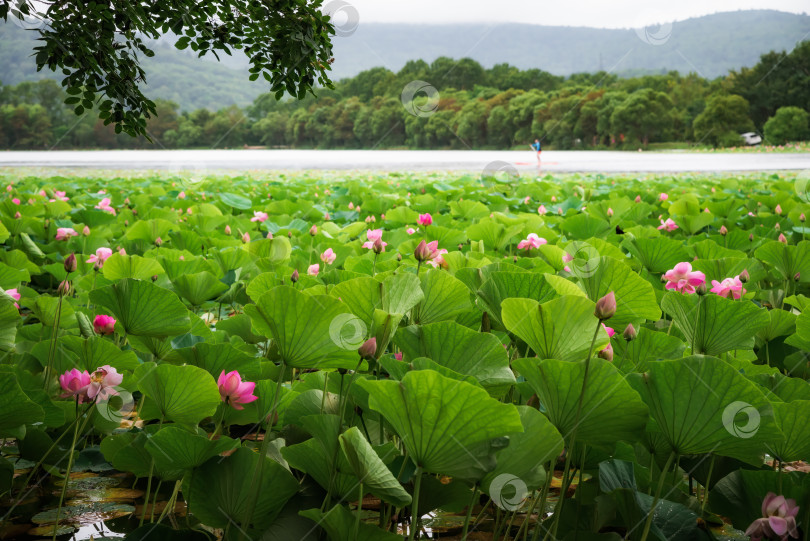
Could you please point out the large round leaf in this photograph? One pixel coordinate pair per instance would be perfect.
(657, 255)
(793, 419)
(558, 329)
(371, 470)
(220, 490)
(445, 297)
(635, 296)
(16, 408)
(143, 309)
(648, 346)
(611, 409)
(460, 349)
(715, 324)
(85, 354)
(308, 329)
(448, 427)
(340, 524)
(183, 394)
(118, 267)
(199, 287)
(528, 453)
(175, 449)
(703, 405)
(527, 285)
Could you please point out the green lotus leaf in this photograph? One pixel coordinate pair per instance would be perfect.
(728, 267)
(149, 230)
(444, 297)
(175, 449)
(183, 394)
(713, 323)
(703, 405)
(85, 354)
(792, 418)
(239, 489)
(371, 470)
(648, 346)
(143, 309)
(527, 454)
(9, 319)
(215, 358)
(786, 259)
(236, 201)
(199, 287)
(503, 285)
(340, 525)
(611, 410)
(635, 296)
(118, 266)
(16, 408)
(462, 350)
(561, 328)
(309, 330)
(448, 427)
(657, 255)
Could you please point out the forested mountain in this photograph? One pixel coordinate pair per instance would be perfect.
(710, 46)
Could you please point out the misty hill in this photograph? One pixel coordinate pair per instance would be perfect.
(710, 46)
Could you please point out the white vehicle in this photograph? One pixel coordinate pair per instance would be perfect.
(751, 138)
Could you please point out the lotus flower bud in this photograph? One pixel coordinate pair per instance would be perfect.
(227, 229)
(377, 246)
(629, 332)
(610, 212)
(638, 199)
(154, 277)
(777, 227)
(46, 224)
(778, 209)
(701, 289)
(399, 257)
(744, 276)
(605, 307)
(96, 267)
(64, 288)
(802, 217)
(70, 263)
(606, 354)
(158, 242)
(422, 252)
(17, 215)
(782, 238)
(86, 231)
(294, 276)
(368, 349)
(723, 230)
(751, 237)
(797, 276)
(289, 234)
(313, 230)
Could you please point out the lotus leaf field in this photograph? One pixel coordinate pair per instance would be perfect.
(389, 356)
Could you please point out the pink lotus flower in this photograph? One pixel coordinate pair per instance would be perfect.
(436, 260)
(189, 211)
(259, 216)
(682, 278)
(17, 215)
(610, 212)
(60, 195)
(328, 256)
(16, 201)
(779, 519)
(778, 209)
(42, 193)
(608, 350)
(723, 230)
(662, 196)
(122, 251)
(669, 225)
(313, 269)
(104, 324)
(398, 356)
(234, 391)
(103, 382)
(425, 219)
(541, 210)
(100, 256)
(14, 294)
(531, 241)
(526, 200)
(181, 195)
(86, 231)
(9, 188)
(782, 238)
(246, 237)
(638, 199)
(269, 234)
(374, 235)
(729, 285)
(64, 233)
(75, 383)
(553, 198)
(227, 230)
(411, 230)
(105, 205)
(351, 205)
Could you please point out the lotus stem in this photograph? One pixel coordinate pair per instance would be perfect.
(263, 449)
(417, 484)
(543, 496)
(566, 477)
(359, 512)
(524, 527)
(149, 483)
(708, 483)
(67, 471)
(54, 339)
(648, 522)
(469, 513)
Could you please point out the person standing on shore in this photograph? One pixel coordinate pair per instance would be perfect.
(538, 148)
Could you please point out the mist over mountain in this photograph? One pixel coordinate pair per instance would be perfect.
(710, 46)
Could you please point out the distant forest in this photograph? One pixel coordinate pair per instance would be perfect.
(459, 105)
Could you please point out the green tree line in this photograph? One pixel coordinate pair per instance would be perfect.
(461, 105)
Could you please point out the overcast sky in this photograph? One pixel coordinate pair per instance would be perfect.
(595, 13)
